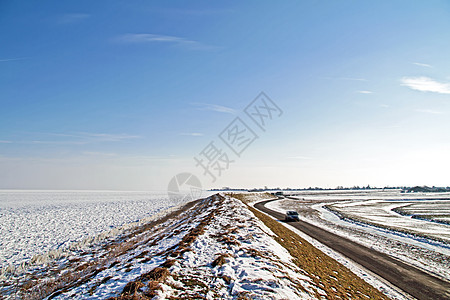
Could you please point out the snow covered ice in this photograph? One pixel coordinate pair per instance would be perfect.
(36, 222)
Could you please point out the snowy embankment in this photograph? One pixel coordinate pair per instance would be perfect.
(211, 248)
(419, 251)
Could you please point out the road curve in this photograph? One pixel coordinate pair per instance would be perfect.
(413, 281)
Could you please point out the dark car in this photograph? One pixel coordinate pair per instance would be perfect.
(291, 215)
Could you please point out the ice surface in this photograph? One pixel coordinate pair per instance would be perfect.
(35, 222)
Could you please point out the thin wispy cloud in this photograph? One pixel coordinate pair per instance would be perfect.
(72, 18)
(214, 107)
(142, 38)
(77, 138)
(364, 92)
(12, 59)
(96, 136)
(346, 78)
(191, 133)
(422, 65)
(108, 137)
(94, 155)
(5, 142)
(426, 84)
(192, 12)
(430, 111)
(385, 105)
(149, 38)
(50, 142)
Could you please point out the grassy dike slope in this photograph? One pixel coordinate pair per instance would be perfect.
(338, 281)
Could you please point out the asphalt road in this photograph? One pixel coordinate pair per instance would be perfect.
(413, 281)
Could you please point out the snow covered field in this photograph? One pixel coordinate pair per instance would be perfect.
(215, 248)
(188, 245)
(437, 211)
(36, 222)
(383, 213)
(370, 220)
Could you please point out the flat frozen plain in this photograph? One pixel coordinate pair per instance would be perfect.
(420, 251)
(381, 213)
(35, 222)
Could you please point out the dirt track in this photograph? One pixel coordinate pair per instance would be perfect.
(415, 282)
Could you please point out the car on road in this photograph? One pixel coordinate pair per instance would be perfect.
(291, 215)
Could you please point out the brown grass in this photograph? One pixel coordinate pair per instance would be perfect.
(132, 287)
(169, 263)
(254, 253)
(132, 290)
(158, 274)
(228, 240)
(130, 297)
(188, 239)
(243, 296)
(220, 260)
(153, 287)
(245, 198)
(322, 269)
(226, 278)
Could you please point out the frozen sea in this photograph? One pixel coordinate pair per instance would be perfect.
(35, 222)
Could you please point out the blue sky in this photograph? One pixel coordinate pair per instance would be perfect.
(122, 95)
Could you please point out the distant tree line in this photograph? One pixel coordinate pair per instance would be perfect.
(404, 189)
